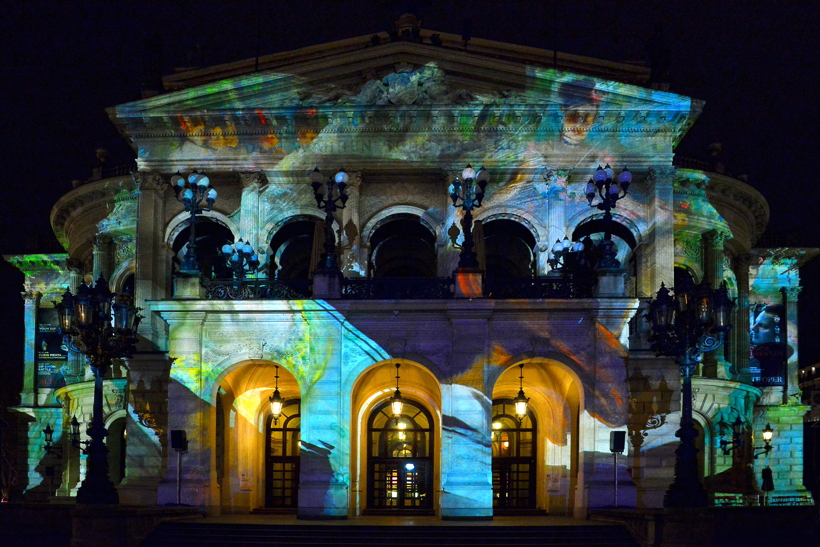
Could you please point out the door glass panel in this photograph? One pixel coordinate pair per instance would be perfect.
(400, 459)
(513, 458)
(282, 458)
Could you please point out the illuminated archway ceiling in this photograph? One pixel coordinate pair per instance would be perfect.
(365, 97)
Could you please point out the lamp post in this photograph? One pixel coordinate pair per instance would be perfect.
(468, 195)
(610, 191)
(330, 196)
(241, 258)
(190, 192)
(103, 326)
(695, 321)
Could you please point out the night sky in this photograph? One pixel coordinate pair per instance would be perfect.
(64, 62)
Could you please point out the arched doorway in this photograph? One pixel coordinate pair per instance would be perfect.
(548, 456)
(400, 459)
(282, 448)
(514, 464)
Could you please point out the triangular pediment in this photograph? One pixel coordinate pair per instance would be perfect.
(397, 88)
(403, 74)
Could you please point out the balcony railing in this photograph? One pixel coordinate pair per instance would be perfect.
(397, 288)
(392, 288)
(256, 289)
(541, 287)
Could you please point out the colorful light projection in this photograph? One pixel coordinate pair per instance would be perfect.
(769, 348)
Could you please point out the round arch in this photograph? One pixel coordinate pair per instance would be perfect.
(431, 222)
(238, 413)
(556, 401)
(372, 387)
(180, 222)
(536, 228)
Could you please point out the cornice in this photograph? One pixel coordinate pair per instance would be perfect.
(92, 194)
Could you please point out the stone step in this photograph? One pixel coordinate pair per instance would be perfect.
(252, 535)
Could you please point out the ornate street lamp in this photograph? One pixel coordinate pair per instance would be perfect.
(695, 321)
(103, 326)
(330, 196)
(190, 192)
(521, 400)
(610, 191)
(767, 447)
(470, 194)
(241, 258)
(276, 400)
(737, 439)
(397, 401)
(566, 256)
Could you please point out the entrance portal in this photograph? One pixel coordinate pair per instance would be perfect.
(513, 459)
(400, 463)
(282, 458)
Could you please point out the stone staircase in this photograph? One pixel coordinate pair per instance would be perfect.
(181, 534)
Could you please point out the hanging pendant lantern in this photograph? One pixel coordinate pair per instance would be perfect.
(397, 402)
(521, 400)
(276, 400)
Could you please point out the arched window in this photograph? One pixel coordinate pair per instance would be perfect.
(402, 247)
(211, 235)
(293, 249)
(400, 458)
(509, 250)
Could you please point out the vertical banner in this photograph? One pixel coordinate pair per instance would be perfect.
(50, 349)
(768, 345)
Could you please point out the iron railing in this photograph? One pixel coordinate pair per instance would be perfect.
(256, 289)
(393, 288)
(397, 288)
(541, 287)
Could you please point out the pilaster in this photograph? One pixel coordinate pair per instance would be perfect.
(658, 261)
(714, 363)
(102, 245)
(466, 456)
(249, 219)
(149, 376)
(352, 259)
(150, 275)
(28, 396)
(740, 332)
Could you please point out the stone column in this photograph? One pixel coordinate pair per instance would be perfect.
(714, 364)
(352, 258)
(151, 271)
(740, 331)
(249, 213)
(28, 396)
(102, 245)
(658, 259)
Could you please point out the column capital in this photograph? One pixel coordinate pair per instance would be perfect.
(31, 297)
(150, 181)
(792, 293)
(254, 178)
(661, 175)
(744, 260)
(717, 238)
